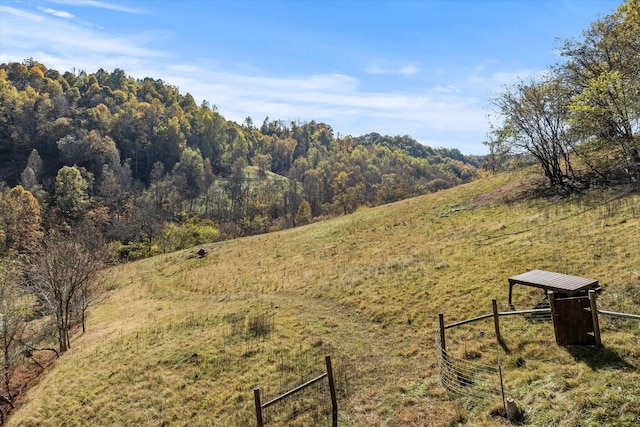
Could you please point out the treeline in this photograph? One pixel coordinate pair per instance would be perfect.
(153, 171)
(100, 167)
(581, 120)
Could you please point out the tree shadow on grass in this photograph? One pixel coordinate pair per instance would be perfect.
(599, 358)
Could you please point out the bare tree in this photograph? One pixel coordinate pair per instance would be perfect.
(535, 116)
(13, 321)
(64, 276)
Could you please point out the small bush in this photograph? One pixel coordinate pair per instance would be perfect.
(192, 233)
(260, 325)
(132, 251)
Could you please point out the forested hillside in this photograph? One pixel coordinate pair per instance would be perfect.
(154, 171)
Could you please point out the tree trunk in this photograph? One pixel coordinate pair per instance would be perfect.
(82, 316)
(62, 340)
(7, 367)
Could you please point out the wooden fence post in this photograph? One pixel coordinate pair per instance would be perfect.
(443, 344)
(496, 320)
(256, 397)
(332, 390)
(594, 316)
(512, 410)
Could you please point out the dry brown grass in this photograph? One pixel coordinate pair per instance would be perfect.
(169, 347)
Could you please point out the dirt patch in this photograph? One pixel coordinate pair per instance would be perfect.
(520, 189)
(26, 376)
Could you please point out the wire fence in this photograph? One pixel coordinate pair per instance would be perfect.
(308, 406)
(291, 409)
(468, 378)
(540, 316)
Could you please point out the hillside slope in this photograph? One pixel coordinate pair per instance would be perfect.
(184, 341)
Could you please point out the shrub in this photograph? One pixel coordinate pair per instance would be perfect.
(191, 233)
(260, 325)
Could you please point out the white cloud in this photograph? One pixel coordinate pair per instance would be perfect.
(58, 13)
(505, 78)
(19, 13)
(405, 70)
(30, 34)
(409, 70)
(501, 79)
(100, 5)
(447, 89)
(336, 99)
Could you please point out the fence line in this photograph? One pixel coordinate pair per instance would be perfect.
(332, 390)
(290, 392)
(467, 378)
(532, 311)
(472, 379)
(616, 314)
(464, 322)
(535, 313)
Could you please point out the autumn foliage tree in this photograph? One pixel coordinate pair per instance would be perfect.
(20, 221)
(71, 192)
(603, 70)
(587, 107)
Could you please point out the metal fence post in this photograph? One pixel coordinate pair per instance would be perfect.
(443, 344)
(504, 404)
(332, 390)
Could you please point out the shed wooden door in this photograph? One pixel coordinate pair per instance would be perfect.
(572, 322)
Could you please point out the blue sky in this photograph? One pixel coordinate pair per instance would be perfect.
(427, 68)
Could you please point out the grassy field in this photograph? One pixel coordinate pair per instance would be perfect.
(183, 341)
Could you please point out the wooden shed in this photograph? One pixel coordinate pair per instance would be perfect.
(569, 301)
